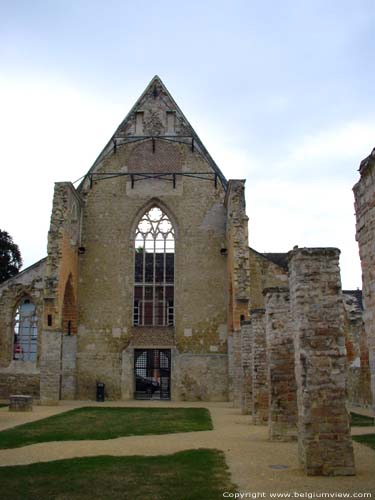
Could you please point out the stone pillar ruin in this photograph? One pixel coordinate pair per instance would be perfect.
(246, 357)
(58, 348)
(325, 446)
(364, 193)
(259, 367)
(280, 355)
(238, 268)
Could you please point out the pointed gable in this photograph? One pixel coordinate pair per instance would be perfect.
(156, 115)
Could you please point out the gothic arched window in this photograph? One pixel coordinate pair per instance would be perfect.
(25, 332)
(154, 270)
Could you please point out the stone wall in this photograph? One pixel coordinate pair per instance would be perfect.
(359, 380)
(58, 359)
(325, 445)
(237, 368)
(19, 383)
(19, 376)
(364, 192)
(280, 361)
(264, 274)
(246, 389)
(112, 210)
(260, 388)
(238, 274)
(50, 367)
(68, 367)
(63, 243)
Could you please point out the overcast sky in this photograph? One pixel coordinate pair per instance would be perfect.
(280, 92)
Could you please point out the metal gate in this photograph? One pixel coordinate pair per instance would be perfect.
(152, 373)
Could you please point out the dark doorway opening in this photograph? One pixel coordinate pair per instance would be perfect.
(152, 372)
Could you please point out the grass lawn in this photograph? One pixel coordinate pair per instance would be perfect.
(3, 405)
(358, 420)
(192, 474)
(107, 423)
(367, 439)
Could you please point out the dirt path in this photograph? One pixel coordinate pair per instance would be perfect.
(249, 454)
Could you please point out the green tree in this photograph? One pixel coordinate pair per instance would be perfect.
(10, 257)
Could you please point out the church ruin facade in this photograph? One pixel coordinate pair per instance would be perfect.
(150, 287)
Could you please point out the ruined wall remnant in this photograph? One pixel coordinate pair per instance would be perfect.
(265, 273)
(60, 317)
(238, 275)
(259, 367)
(359, 379)
(364, 193)
(325, 446)
(280, 357)
(17, 375)
(246, 394)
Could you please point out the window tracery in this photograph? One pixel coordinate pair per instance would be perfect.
(154, 270)
(25, 332)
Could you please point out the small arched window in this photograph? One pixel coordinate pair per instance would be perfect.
(154, 270)
(25, 332)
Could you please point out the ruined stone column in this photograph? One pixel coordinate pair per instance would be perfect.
(237, 244)
(325, 446)
(364, 192)
(282, 420)
(259, 369)
(246, 357)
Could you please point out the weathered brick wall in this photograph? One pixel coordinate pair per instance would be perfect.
(260, 404)
(325, 445)
(280, 360)
(364, 192)
(246, 394)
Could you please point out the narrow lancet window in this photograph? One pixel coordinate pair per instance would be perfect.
(154, 270)
(25, 332)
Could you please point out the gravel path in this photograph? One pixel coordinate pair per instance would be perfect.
(249, 454)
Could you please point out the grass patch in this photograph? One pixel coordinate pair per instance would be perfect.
(107, 423)
(3, 405)
(358, 420)
(187, 475)
(367, 439)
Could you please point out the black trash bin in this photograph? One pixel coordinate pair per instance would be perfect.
(100, 391)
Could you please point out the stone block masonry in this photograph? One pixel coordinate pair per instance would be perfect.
(50, 367)
(325, 446)
(246, 395)
(259, 367)
(364, 192)
(237, 372)
(281, 377)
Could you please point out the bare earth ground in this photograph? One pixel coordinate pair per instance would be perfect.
(248, 452)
